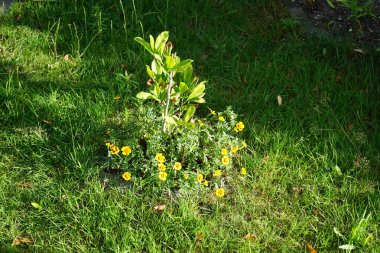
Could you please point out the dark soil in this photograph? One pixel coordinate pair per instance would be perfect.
(338, 20)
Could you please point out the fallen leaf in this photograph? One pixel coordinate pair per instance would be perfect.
(47, 122)
(21, 240)
(24, 184)
(279, 100)
(310, 248)
(359, 50)
(117, 98)
(349, 126)
(199, 239)
(250, 237)
(159, 208)
(67, 57)
(297, 189)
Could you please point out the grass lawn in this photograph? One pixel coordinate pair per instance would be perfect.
(315, 165)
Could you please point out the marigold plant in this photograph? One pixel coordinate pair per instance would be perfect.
(164, 141)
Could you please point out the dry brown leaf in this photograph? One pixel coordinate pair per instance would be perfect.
(311, 249)
(279, 100)
(24, 184)
(349, 126)
(159, 208)
(199, 239)
(250, 237)
(21, 240)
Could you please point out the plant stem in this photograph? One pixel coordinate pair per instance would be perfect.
(168, 100)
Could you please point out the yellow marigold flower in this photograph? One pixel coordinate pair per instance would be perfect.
(127, 176)
(244, 144)
(177, 166)
(205, 183)
(234, 149)
(224, 151)
(186, 176)
(161, 167)
(221, 118)
(239, 127)
(114, 150)
(243, 171)
(126, 150)
(225, 160)
(217, 173)
(200, 178)
(117, 98)
(219, 192)
(160, 158)
(162, 175)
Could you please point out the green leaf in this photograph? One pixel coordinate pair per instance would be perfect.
(181, 66)
(338, 170)
(330, 4)
(151, 42)
(161, 40)
(199, 100)
(188, 74)
(183, 87)
(170, 120)
(144, 44)
(170, 61)
(150, 72)
(144, 95)
(189, 113)
(190, 125)
(197, 91)
(37, 206)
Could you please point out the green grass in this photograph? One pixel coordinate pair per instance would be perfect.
(54, 115)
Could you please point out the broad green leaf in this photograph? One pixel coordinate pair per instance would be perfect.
(37, 206)
(197, 91)
(144, 95)
(161, 40)
(144, 44)
(188, 74)
(189, 113)
(183, 87)
(158, 57)
(190, 125)
(199, 100)
(338, 170)
(170, 61)
(181, 66)
(347, 247)
(151, 42)
(155, 90)
(154, 66)
(150, 72)
(170, 120)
